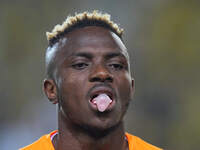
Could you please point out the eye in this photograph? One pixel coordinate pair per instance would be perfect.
(80, 66)
(116, 66)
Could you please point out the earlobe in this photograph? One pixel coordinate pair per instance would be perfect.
(50, 90)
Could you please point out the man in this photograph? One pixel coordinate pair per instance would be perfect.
(88, 75)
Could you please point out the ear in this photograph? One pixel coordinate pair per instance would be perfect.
(50, 90)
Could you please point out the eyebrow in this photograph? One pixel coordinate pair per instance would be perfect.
(114, 54)
(89, 55)
(83, 54)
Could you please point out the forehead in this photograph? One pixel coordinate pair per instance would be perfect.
(94, 38)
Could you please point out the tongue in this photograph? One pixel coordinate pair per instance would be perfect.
(102, 101)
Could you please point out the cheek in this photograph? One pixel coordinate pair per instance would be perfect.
(125, 88)
(72, 89)
(70, 97)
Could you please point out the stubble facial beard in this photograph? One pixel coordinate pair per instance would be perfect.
(90, 130)
(95, 132)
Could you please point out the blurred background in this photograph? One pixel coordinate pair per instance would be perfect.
(162, 37)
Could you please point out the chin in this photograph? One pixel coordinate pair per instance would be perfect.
(100, 130)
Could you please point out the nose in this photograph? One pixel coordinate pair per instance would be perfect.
(100, 74)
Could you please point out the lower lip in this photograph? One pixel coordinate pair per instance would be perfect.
(109, 108)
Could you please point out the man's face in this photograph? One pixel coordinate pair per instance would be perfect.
(92, 61)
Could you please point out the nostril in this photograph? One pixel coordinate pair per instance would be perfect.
(100, 74)
(99, 79)
(95, 79)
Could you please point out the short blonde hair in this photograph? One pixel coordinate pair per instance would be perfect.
(94, 18)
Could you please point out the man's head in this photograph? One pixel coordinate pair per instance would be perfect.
(85, 63)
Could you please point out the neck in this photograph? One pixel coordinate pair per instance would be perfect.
(75, 138)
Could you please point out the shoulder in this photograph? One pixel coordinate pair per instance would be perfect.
(43, 142)
(136, 143)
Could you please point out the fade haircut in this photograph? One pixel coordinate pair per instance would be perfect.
(77, 21)
(80, 20)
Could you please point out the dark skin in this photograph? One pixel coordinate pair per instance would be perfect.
(88, 60)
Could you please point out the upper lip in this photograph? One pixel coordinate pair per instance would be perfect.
(96, 90)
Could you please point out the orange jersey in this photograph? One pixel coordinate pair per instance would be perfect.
(135, 143)
(44, 143)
